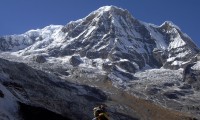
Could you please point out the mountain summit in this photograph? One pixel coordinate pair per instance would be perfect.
(111, 35)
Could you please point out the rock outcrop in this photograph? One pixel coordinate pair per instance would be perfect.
(191, 75)
(39, 58)
(75, 60)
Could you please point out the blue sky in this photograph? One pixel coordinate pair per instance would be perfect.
(19, 16)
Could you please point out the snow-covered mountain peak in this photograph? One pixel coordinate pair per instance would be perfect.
(109, 8)
(31, 37)
(107, 33)
(169, 25)
(106, 8)
(47, 29)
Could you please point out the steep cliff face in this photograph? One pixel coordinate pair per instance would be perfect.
(181, 49)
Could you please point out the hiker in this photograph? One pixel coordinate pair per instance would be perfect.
(100, 113)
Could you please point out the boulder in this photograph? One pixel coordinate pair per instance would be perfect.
(39, 59)
(171, 95)
(127, 65)
(75, 61)
(107, 66)
(152, 90)
(92, 54)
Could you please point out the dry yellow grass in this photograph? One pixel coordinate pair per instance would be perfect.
(150, 111)
(145, 110)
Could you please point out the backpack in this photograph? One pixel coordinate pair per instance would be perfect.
(97, 111)
(100, 114)
(103, 116)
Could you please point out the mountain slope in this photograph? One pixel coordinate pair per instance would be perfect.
(27, 91)
(33, 87)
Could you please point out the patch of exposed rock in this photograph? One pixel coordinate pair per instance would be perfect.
(75, 60)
